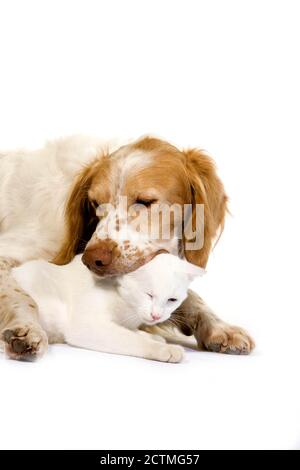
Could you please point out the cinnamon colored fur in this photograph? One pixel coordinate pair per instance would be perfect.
(180, 177)
(48, 210)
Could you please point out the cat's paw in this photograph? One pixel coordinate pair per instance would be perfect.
(168, 353)
(25, 342)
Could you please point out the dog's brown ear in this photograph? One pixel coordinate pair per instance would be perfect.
(80, 218)
(206, 189)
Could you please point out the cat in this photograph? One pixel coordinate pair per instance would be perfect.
(105, 315)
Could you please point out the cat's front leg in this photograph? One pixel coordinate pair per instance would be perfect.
(149, 335)
(112, 338)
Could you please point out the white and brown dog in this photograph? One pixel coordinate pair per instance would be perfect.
(51, 207)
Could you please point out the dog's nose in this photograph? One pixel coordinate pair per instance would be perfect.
(100, 256)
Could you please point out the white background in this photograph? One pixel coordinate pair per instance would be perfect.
(220, 75)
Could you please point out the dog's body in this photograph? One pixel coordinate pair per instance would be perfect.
(34, 187)
(47, 210)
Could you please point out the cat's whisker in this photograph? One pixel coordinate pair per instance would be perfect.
(177, 321)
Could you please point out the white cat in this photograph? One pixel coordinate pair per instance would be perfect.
(105, 314)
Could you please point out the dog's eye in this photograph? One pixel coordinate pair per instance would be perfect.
(150, 295)
(172, 299)
(145, 202)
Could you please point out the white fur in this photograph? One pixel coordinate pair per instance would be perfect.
(77, 307)
(33, 192)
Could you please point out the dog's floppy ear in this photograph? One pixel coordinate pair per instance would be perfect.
(80, 218)
(206, 189)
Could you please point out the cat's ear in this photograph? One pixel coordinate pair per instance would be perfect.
(193, 271)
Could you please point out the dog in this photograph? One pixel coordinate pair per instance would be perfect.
(68, 198)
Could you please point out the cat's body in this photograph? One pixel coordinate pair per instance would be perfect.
(105, 315)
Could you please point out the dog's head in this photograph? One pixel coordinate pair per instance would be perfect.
(141, 200)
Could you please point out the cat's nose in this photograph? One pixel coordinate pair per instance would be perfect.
(155, 316)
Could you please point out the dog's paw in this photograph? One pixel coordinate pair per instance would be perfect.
(227, 339)
(25, 342)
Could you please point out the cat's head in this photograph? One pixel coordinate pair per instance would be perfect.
(156, 289)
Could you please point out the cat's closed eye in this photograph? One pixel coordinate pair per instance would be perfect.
(172, 299)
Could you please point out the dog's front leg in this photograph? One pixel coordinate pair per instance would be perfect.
(20, 330)
(212, 333)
